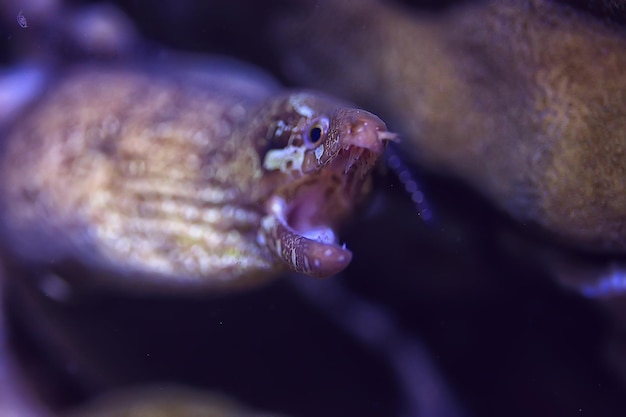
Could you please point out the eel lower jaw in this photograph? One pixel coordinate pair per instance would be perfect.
(310, 250)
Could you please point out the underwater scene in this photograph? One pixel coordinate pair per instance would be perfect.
(308, 208)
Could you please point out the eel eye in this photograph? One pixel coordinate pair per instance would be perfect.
(316, 132)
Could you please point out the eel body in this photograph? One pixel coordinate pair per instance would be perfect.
(183, 177)
(524, 100)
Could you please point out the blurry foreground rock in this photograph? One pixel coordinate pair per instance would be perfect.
(162, 401)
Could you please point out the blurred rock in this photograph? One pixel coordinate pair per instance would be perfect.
(525, 101)
(162, 401)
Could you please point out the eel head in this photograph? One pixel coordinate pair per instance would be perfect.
(318, 159)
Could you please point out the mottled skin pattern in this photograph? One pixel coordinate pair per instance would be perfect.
(153, 180)
(524, 100)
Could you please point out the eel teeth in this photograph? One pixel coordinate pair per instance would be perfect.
(353, 157)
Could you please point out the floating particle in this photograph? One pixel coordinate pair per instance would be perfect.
(21, 20)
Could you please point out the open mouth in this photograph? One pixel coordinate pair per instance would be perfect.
(326, 181)
(300, 225)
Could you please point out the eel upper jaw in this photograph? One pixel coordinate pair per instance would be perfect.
(364, 141)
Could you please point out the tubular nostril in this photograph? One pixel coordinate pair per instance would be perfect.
(386, 135)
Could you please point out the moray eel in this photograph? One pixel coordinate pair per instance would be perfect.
(183, 177)
(523, 100)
